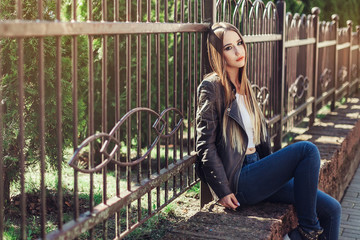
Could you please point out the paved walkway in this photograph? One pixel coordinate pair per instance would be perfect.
(350, 219)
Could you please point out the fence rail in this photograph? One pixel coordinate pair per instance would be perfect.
(71, 72)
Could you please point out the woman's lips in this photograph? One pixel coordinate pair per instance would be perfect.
(239, 59)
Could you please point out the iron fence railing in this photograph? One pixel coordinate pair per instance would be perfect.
(114, 83)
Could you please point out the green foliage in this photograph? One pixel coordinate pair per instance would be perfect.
(347, 10)
(9, 61)
(343, 100)
(170, 209)
(11, 232)
(195, 188)
(9, 84)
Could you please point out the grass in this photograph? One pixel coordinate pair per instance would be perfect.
(195, 189)
(11, 232)
(32, 187)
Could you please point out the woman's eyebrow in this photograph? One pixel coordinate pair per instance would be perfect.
(239, 40)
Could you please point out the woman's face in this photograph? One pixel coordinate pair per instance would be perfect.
(234, 50)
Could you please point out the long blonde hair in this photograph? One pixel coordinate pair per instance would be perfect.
(218, 65)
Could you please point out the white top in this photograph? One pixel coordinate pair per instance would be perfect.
(246, 119)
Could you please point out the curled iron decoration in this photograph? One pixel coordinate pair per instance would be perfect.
(342, 74)
(159, 126)
(354, 71)
(298, 88)
(262, 94)
(325, 78)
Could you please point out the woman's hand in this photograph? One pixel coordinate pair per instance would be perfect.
(230, 201)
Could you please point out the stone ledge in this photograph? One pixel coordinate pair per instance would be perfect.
(261, 221)
(338, 145)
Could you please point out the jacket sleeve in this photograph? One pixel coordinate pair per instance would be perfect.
(208, 128)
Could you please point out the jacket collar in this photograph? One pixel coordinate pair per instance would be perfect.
(234, 112)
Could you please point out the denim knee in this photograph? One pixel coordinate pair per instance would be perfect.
(311, 149)
(335, 209)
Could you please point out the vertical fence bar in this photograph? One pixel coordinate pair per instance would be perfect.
(335, 19)
(75, 110)
(166, 97)
(104, 93)
(182, 38)
(158, 100)
(42, 125)
(1, 154)
(256, 48)
(209, 15)
(21, 137)
(189, 81)
(196, 64)
(117, 113)
(104, 108)
(349, 25)
(175, 91)
(281, 7)
(59, 121)
(148, 86)
(138, 103)
(91, 111)
(267, 68)
(189, 69)
(262, 49)
(196, 48)
(91, 123)
(315, 11)
(128, 106)
(20, 53)
(273, 103)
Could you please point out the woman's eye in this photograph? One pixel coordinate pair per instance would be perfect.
(227, 48)
(240, 43)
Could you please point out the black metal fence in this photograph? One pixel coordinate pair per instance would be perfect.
(115, 85)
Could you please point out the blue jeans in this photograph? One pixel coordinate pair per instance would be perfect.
(290, 175)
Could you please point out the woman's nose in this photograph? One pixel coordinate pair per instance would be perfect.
(238, 50)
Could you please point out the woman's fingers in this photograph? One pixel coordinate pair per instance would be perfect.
(229, 201)
(232, 205)
(235, 201)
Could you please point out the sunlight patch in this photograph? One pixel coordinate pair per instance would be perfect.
(329, 139)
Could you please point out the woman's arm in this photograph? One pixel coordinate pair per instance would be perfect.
(208, 128)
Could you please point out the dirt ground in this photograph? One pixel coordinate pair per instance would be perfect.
(183, 208)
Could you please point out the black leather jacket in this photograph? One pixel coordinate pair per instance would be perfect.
(218, 164)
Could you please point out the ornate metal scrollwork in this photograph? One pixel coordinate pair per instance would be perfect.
(354, 71)
(325, 78)
(159, 126)
(342, 74)
(298, 88)
(262, 94)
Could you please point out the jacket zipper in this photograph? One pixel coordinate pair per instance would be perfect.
(237, 175)
(237, 165)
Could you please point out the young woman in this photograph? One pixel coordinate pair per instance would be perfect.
(234, 156)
